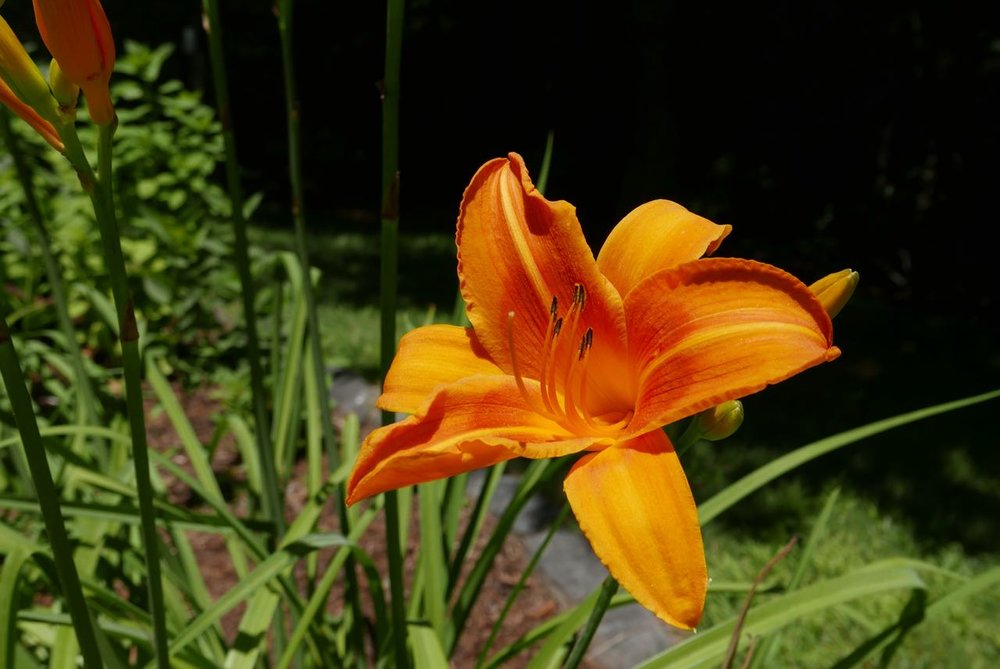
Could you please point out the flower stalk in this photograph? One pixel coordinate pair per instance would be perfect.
(265, 452)
(388, 289)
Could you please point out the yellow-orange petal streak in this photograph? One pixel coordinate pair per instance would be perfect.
(718, 329)
(635, 506)
(653, 237)
(473, 423)
(429, 357)
(516, 251)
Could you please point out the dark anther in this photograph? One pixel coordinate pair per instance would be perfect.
(555, 306)
(557, 327)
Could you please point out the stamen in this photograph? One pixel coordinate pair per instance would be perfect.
(554, 309)
(576, 381)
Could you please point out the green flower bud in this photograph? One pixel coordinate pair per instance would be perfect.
(64, 90)
(721, 421)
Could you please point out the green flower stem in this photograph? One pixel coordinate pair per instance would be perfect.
(265, 452)
(389, 278)
(48, 499)
(52, 272)
(100, 188)
(608, 590)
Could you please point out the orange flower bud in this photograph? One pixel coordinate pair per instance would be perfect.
(21, 75)
(30, 116)
(78, 35)
(834, 290)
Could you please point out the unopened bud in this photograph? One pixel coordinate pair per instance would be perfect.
(78, 35)
(834, 290)
(721, 421)
(64, 90)
(21, 75)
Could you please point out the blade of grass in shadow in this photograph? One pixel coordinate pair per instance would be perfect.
(894, 632)
(193, 448)
(519, 586)
(607, 591)
(554, 648)
(475, 524)
(535, 475)
(323, 586)
(388, 276)
(710, 509)
(48, 497)
(549, 626)
(452, 505)
(265, 453)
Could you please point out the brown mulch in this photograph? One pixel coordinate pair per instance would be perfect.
(536, 604)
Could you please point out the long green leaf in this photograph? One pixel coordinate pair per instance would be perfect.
(10, 575)
(427, 651)
(710, 509)
(554, 649)
(710, 645)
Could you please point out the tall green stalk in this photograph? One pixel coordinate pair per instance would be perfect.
(389, 275)
(299, 218)
(48, 498)
(286, 35)
(100, 188)
(265, 451)
(87, 397)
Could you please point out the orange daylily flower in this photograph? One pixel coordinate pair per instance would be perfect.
(78, 35)
(570, 354)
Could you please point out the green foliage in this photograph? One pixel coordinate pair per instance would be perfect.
(173, 223)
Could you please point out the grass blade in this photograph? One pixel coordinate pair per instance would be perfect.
(710, 646)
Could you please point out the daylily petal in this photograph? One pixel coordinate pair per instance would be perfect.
(718, 329)
(30, 116)
(429, 357)
(653, 237)
(473, 423)
(516, 251)
(635, 506)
